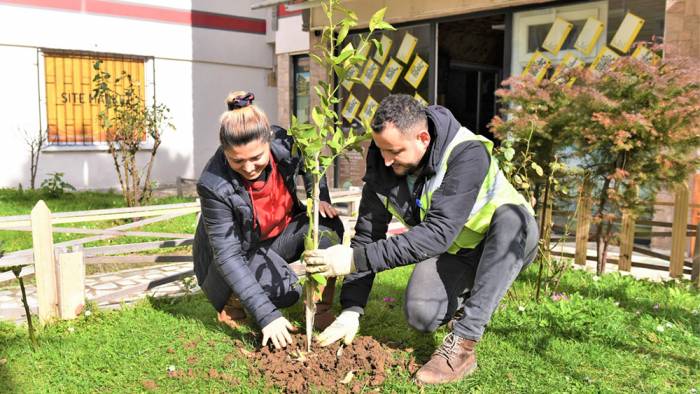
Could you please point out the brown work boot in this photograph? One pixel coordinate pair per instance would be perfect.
(233, 314)
(452, 361)
(324, 309)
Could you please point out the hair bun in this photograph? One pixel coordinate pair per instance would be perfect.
(241, 101)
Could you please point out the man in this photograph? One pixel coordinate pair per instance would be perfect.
(471, 232)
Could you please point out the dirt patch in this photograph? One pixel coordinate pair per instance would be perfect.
(362, 365)
(149, 385)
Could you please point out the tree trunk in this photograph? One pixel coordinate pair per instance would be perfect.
(601, 247)
(545, 235)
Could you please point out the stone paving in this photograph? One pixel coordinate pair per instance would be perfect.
(101, 285)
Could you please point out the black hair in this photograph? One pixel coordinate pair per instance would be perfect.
(401, 110)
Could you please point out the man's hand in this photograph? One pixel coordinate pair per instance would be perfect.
(334, 261)
(345, 326)
(327, 210)
(278, 331)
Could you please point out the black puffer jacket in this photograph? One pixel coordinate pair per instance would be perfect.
(225, 233)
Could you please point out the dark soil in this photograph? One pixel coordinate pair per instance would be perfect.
(327, 368)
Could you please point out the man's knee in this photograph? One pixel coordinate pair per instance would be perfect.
(422, 315)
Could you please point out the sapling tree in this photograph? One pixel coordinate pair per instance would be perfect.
(128, 121)
(325, 137)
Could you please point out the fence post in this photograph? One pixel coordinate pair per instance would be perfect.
(44, 262)
(626, 242)
(678, 231)
(71, 282)
(583, 222)
(695, 276)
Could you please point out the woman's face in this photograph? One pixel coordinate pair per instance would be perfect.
(249, 160)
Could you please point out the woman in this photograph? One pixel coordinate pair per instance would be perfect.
(253, 225)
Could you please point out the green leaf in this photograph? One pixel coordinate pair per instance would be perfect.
(378, 45)
(348, 51)
(343, 32)
(317, 59)
(537, 168)
(509, 153)
(376, 19)
(317, 117)
(320, 279)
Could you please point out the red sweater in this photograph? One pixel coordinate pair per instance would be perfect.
(272, 203)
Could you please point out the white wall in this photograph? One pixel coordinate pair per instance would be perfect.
(290, 37)
(194, 70)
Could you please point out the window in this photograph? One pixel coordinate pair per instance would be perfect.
(301, 87)
(531, 27)
(72, 114)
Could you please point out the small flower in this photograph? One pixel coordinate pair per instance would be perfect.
(559, 297)
(693, 391)
(389, 299)
(596, 278)
(617, 303)
(88, 313)
(656, 307)
(171, 368)
(669, 324)
(637, 312)
(71, 330)
(660, 328)
(521, 308)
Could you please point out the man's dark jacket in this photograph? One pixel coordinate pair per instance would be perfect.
(226, 235)
(450, 207)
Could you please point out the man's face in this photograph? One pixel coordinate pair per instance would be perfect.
(249, 160)
(402, 151)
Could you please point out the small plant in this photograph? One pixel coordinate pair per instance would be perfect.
(321, 141)
(54, 186)
(128, 122)
(35, 143)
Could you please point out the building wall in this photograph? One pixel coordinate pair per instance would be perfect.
(193, 69)
(399, 11)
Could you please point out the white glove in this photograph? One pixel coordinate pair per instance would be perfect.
(278, 331)
(345, 326)
(334, 261)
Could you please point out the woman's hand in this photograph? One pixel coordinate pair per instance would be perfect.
(326, 210)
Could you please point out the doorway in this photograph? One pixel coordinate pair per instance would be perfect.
(470, 69)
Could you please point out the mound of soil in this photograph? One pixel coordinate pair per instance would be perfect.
(335, 368)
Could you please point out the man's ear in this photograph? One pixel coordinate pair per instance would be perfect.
(424, 137)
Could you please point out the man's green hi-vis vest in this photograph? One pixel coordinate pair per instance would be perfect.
(495, 191)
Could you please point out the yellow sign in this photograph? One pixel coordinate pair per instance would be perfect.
(643, 53)
(569, 62)
(391, 74)
(408, 44)
(386, 47)
(627, 32)
(537, 66)
(369, 74)
(72, 114)
(589, 35)
(605, 58)
(416, 72)
(420, 99)
(557, 35)
(369, 108)
(352, 105)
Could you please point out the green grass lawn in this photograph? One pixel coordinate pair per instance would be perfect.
(13, 203)
(610, 335)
